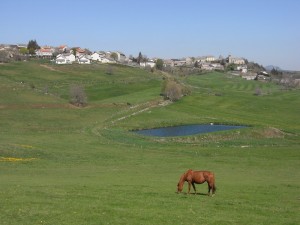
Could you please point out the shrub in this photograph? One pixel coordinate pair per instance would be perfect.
(109, 70)
(258, 91)
(172, 90)
(78, 96)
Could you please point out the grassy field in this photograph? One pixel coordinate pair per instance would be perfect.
(60, 164)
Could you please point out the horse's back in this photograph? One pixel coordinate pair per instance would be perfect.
(201, 176)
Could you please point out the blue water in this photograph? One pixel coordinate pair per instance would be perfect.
(185, 130)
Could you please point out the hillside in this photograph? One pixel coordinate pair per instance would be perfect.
(62, 164)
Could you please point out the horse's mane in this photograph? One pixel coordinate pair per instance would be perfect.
(182, 178)
(184, 175)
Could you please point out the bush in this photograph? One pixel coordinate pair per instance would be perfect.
(258, 91)
(78, 96)
(109, 70)
(172, 90)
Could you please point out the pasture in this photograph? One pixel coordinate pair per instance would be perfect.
(60, 164)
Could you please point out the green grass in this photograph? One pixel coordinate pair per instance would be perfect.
(65, 165)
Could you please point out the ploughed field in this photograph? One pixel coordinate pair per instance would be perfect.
(62, 164)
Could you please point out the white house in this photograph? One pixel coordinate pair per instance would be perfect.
(62, 49)
(208, 58)
(179, 62)
(150, 63)
(66, 58)
(80, 52)
(84, 59)
(101, 57)
(235, 60)
(106, 60)
(168, 63)
(206, 66)
(44, 52)
(243, 68)
(121, 56)
(96, 56)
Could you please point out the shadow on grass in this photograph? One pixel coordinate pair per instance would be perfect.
(203, 194)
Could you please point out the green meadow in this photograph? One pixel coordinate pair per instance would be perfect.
(61, 164)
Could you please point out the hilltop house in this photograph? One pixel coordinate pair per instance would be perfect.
(149, 63)
(96, 56)
(84, 59)
(208, 58)
(121, 56)
(101, 57)
(65, 58)
(62, 49)
(45, 52)
(235, 60)
(168, 63)
(179, 62)
(242, 68)
(80, 51)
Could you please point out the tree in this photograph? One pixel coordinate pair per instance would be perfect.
(145, 60)
(140, 58)
(74, 51)
(78, 96)
(275, 72)
(114, 56)
(4, 56)
(159, 64)
(109, 70)
(23, 51)
(171, 90)
(32, 47)
(230, 66)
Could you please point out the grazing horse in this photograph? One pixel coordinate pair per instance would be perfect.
(197, 177)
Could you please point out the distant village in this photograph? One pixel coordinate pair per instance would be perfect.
(68, 55)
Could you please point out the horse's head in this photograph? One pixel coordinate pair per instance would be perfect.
(179, 187)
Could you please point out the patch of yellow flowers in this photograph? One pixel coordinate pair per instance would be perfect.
(23, 146)
(12, 159)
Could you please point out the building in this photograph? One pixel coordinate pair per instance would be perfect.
(62, 49)
(45, 52)
(235, 60)
(208, 58)
(84, 59)
(96, 57)
(149, 63)
(120, 57)
(65, 58)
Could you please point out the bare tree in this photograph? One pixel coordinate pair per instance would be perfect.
(172, 90)
(109, 70)
(78, 96)
(288, 81)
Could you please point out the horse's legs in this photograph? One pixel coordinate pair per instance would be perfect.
(209, 188)
(189, 188)
(194, 187)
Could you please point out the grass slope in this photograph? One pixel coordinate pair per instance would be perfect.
(65, 165)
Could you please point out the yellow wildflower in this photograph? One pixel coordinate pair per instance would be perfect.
(13, 159)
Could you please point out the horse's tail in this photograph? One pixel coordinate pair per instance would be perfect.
(214, 188)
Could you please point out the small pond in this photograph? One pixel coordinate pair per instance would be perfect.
(185, 130)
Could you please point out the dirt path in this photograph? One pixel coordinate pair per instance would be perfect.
(48, 67)
(143, 108)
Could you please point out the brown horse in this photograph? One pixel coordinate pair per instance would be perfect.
(197, 177)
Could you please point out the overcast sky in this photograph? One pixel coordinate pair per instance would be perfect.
(264, 31)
